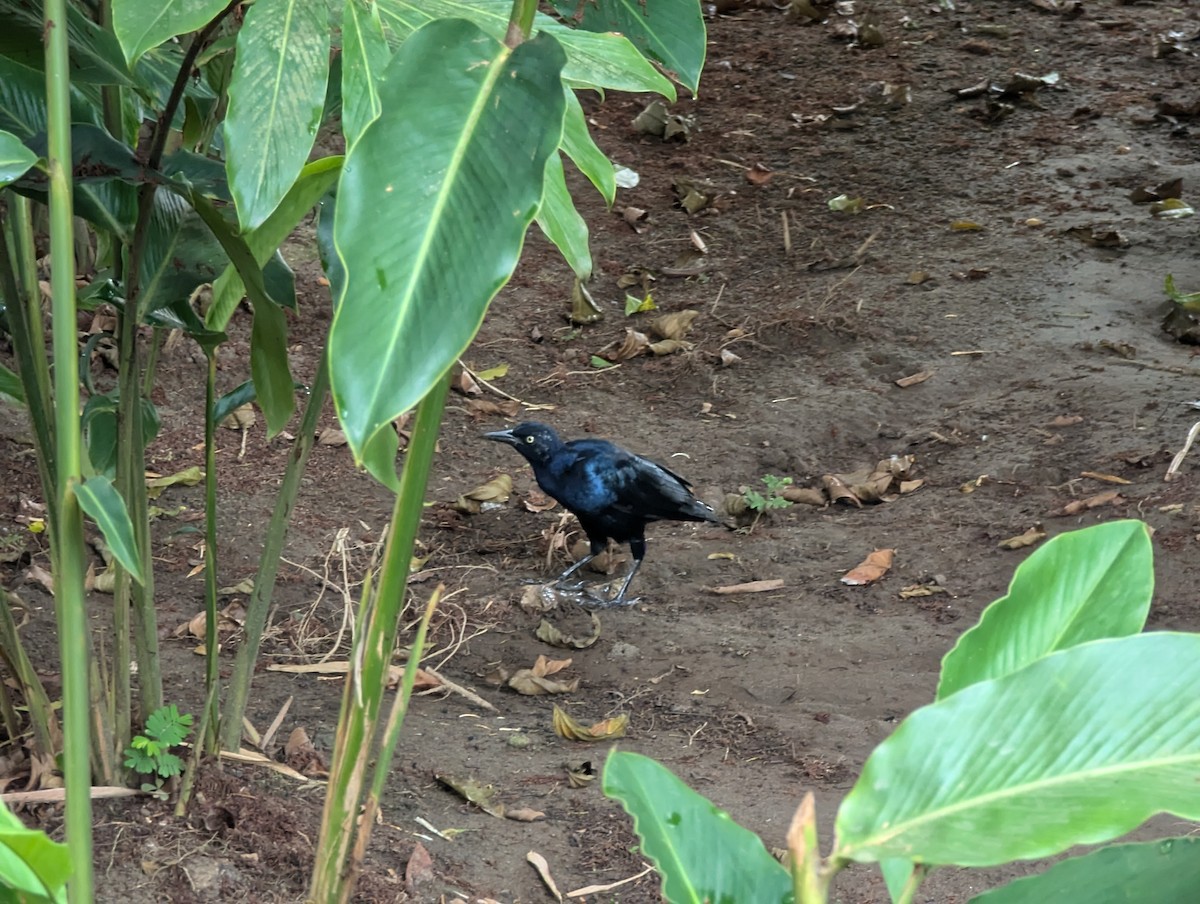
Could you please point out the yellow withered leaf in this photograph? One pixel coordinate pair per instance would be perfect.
(569, 728)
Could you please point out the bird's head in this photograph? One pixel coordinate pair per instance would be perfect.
(535, 441)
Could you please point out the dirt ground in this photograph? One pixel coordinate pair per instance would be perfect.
(997, 251)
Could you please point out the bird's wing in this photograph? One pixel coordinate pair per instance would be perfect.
(647, 489)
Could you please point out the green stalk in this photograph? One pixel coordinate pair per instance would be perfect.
(18, 279)
(47, 735)
(520, 22)
(208, 740)
(915, 878)
(391, 737)
(268, 563)
(362, 698)
(69, 595)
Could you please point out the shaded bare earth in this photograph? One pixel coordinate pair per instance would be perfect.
(751, 698)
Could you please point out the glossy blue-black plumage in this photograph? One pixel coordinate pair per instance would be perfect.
(613, 492)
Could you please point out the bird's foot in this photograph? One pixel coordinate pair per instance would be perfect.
(573, 587)
(593, 601)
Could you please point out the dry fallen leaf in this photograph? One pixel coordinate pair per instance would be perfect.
(543, 870)
(419, 869)
(1031, 537)
(870, 569)
(914, 379)
(915, 590)
(631, 346)
(536, 681)
(607, 730)
(331, 436)
(1066, 420)
(1106, 478)
(524, 814)
(478, 408)
(537, 501)
(749, 587)
(547, 632)
(673, 326)
(804, 495)
(1082, 505)
(475, 791)
(668, 347)
(492, 494)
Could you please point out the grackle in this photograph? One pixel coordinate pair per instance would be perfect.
(612, 492)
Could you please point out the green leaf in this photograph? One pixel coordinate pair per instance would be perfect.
(31, 865)
(701, 854)
(235, 247)
(315, 180)
(168, 726)
(15, 158)
(11, 385)
(1165, 872)
(98, 498)
(1189, 301)
(269, 366)
(95, 54)
(330, 262)
(180, 254)
(365, 54)
(233, 400)
(23, 99)
(1077, 748)
(99, 425)
(456, 186)
(561, 222)
(579, 145)
(598, 362)
(140, 26)
(671, 31)
(275, 102)
(593, 60)
(1083, 585)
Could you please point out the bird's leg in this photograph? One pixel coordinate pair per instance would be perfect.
(596, 549)
(637, 546)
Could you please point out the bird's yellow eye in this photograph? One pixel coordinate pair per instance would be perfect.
(531, 439)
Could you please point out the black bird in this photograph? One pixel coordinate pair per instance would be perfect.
(612, 492)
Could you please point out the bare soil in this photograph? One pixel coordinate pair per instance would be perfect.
(997, 249)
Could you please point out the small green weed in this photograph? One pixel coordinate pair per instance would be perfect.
(150, 754)
(771, 497)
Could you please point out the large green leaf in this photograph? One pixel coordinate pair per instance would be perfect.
(140, 26)
(579, 145)
(315, 180)
(561, 222)
(11, 385)
(240, 255)
(701, 854)
(432, 209)
(671, 31)
(269, 370)
(33, 868)
(104, 505)
(594, 60)
(99, 425)
(180, 254)
(275, 102)
(15, 158)
(365, 54)
(95, 54)
(23, 100)
(1162, 872)
(1077, 748)
(1083, 585)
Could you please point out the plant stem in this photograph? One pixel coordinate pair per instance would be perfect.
(69, 595)
(18, 280)
(520, 22)
(371, 653)
(915, 878)
(268, 563)
(208, 740)
(391, 736)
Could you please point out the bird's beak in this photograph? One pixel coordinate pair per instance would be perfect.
(502, 436)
